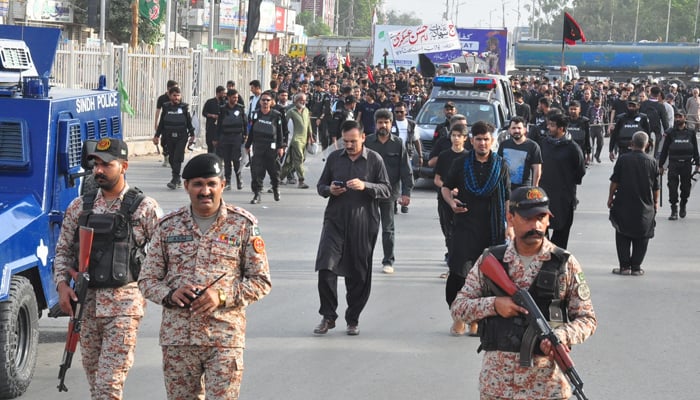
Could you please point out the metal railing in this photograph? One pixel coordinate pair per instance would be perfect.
(144, 72)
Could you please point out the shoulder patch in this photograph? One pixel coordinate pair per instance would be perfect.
(172, 214)
(246, 214)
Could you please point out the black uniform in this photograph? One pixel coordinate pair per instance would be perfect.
(580, 132)
(230, 135)
(174, 127)
(211, 107)
(320, 107)
(681, 149)
(266, 136)
(658, 118)
(625, 126)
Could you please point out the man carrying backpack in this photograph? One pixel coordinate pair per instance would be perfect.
(123, 220)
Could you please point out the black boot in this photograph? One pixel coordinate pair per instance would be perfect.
(276, 194)
(174, 182)
(674, 212)
(682, 212)
(239, 181)
(256, 198)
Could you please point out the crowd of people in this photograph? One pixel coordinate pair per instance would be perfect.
(207, 260)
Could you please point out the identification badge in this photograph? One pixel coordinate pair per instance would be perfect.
(258, 245)
(236, 113)
(273, 145)
(179, 110)
(584, 292)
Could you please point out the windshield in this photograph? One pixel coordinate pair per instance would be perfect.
(433, 112)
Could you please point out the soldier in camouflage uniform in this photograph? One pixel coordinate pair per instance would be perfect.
(203, 336)
(112, 315)
(501, 320)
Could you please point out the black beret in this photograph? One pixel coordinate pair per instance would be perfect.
(203, 166)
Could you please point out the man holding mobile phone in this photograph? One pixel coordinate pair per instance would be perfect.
(354, 179)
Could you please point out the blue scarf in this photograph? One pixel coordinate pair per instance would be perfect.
(494, 188)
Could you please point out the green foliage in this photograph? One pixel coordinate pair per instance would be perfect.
(394, 18)
(318, 28)
(615, 20)
(118, 24)
(355, 17)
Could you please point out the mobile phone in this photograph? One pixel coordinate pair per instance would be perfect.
(339, 183)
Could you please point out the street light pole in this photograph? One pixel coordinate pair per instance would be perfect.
(668, 19)
(636, 22)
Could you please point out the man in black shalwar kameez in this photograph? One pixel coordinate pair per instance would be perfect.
(354, 179)
(633, 201)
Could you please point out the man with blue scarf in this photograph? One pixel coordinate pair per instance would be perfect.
(477, 188)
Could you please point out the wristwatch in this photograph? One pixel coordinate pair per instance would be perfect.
(222, 298)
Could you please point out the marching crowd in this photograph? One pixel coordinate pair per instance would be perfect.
(207, 261)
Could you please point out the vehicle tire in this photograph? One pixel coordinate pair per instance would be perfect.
(19, 338)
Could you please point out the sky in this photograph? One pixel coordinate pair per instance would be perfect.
(469, 14)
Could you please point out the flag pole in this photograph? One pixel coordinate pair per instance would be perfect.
(563, 43)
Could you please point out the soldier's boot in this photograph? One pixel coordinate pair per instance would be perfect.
(239, 181)
(674, 212)
(173, 182)
(682, 212)
(165, 160)
(302, 185)
(276, 193)
(256, 198)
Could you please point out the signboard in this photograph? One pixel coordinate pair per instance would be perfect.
(488, 47)
(267, 17)
(424, 39)
(50, 10)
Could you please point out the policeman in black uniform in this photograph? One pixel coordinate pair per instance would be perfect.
(625, 127)
(319, 107)
(345, 113)
(266, 138)
(231, 134)
(579, 129)
(210, 111)
(681, 149)
(175, 126)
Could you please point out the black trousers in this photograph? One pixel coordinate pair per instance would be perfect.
(386, 212)
(453, 285)
(209, 138)
(597, 133)
(229, 149)
(176, 152)
(357, 294)
(634, 258)
(264, 160)
(679, 174)
(446, 216)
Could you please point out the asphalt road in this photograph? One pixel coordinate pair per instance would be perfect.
(645, 346)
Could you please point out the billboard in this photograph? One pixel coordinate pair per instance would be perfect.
(50, 11)
(488, 46)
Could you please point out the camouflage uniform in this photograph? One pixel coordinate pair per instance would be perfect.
(112, 315)
(195, 345)
(501, 376)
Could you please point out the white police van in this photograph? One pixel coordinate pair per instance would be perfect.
(479, 97)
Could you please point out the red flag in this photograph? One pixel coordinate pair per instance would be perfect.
(572, 30)
(370, 75)
(347, 60)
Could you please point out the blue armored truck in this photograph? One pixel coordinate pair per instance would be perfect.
(42, 132)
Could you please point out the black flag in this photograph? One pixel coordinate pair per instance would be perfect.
(572, 31)
(427, 68)
(253, 24)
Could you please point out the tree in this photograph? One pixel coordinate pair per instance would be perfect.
(394, 18)
(615, 20)
(318, 28)
(118, 24)
(355, 17)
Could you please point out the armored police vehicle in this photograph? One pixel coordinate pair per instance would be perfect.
(42, 131)
(479, 97)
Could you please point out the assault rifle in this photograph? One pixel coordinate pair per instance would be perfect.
(81, 279)
(538, 326)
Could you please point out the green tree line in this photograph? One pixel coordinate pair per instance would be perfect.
(604, 20)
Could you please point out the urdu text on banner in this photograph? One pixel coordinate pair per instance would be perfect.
(425, 39)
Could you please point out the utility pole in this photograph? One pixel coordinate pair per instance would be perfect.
(134, 23)
(351, 18)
